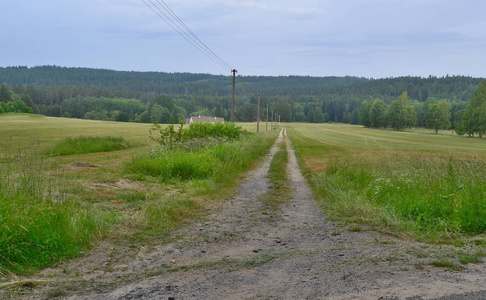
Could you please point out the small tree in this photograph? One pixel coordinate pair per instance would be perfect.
(364, 113)
(439, 116)
(5, 95)
(474, 117)
(378, 114)
(401, 113)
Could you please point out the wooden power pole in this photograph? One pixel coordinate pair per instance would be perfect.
(233, 97)
(258, 114)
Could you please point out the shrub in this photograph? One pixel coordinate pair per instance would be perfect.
(170, 137)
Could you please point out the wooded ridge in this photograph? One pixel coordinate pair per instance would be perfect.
(296, 98)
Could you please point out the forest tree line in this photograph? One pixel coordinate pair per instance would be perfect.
(465, 117)
(144, 96)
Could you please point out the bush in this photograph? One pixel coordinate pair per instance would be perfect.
(170, 137)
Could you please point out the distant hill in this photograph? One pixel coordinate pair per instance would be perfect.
(166, 83)
(297, 98)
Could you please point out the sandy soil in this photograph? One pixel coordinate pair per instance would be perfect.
(245, 251)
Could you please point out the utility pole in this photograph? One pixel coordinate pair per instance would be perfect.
(266, 126)
(258, 114)
(233, 97)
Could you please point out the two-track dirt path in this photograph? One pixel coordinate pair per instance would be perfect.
(245, 251)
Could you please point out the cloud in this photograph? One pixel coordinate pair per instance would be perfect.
(374, 38)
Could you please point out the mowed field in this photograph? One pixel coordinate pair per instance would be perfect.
(342, 140)
(33, 132)
(412, 183)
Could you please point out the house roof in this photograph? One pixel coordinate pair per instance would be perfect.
(206, 119)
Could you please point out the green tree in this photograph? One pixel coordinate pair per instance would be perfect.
(5, 95)
(298, 113)
(439, 116)
(364, 113)
(28, 101)
(97, 114)
(219, 112)
(475, 116)
(315, 115)
(159, 114)
(378, 114)
(247, 112)
(401, 113)
(122, 117)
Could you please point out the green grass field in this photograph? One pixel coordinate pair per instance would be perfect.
(413, 183)
(65, 183)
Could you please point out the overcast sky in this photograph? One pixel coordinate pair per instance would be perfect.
(369, 38)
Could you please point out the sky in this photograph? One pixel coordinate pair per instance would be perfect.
(366, 38)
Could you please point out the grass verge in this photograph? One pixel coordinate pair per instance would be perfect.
(41, 226)
(432, 195)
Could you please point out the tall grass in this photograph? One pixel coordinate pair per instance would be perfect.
(88, 144)
(173, 164)
(202, 173)
(163, 215)
(430, 194)
(443, 194)
(40, 226)
(49, 213)
(219, 163)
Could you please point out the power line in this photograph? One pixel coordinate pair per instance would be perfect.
(183, 30)
(192, 33)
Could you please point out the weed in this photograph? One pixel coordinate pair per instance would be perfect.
(355, 229)
(472, 258)
(165, 214)
(444, 263)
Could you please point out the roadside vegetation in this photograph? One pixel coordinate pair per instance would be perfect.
(55, 203)
(39, 226)
(412, 184)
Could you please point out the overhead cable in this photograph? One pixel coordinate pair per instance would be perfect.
(183, 30)
(192, 33)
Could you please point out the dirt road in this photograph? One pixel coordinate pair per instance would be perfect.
(246, 251)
